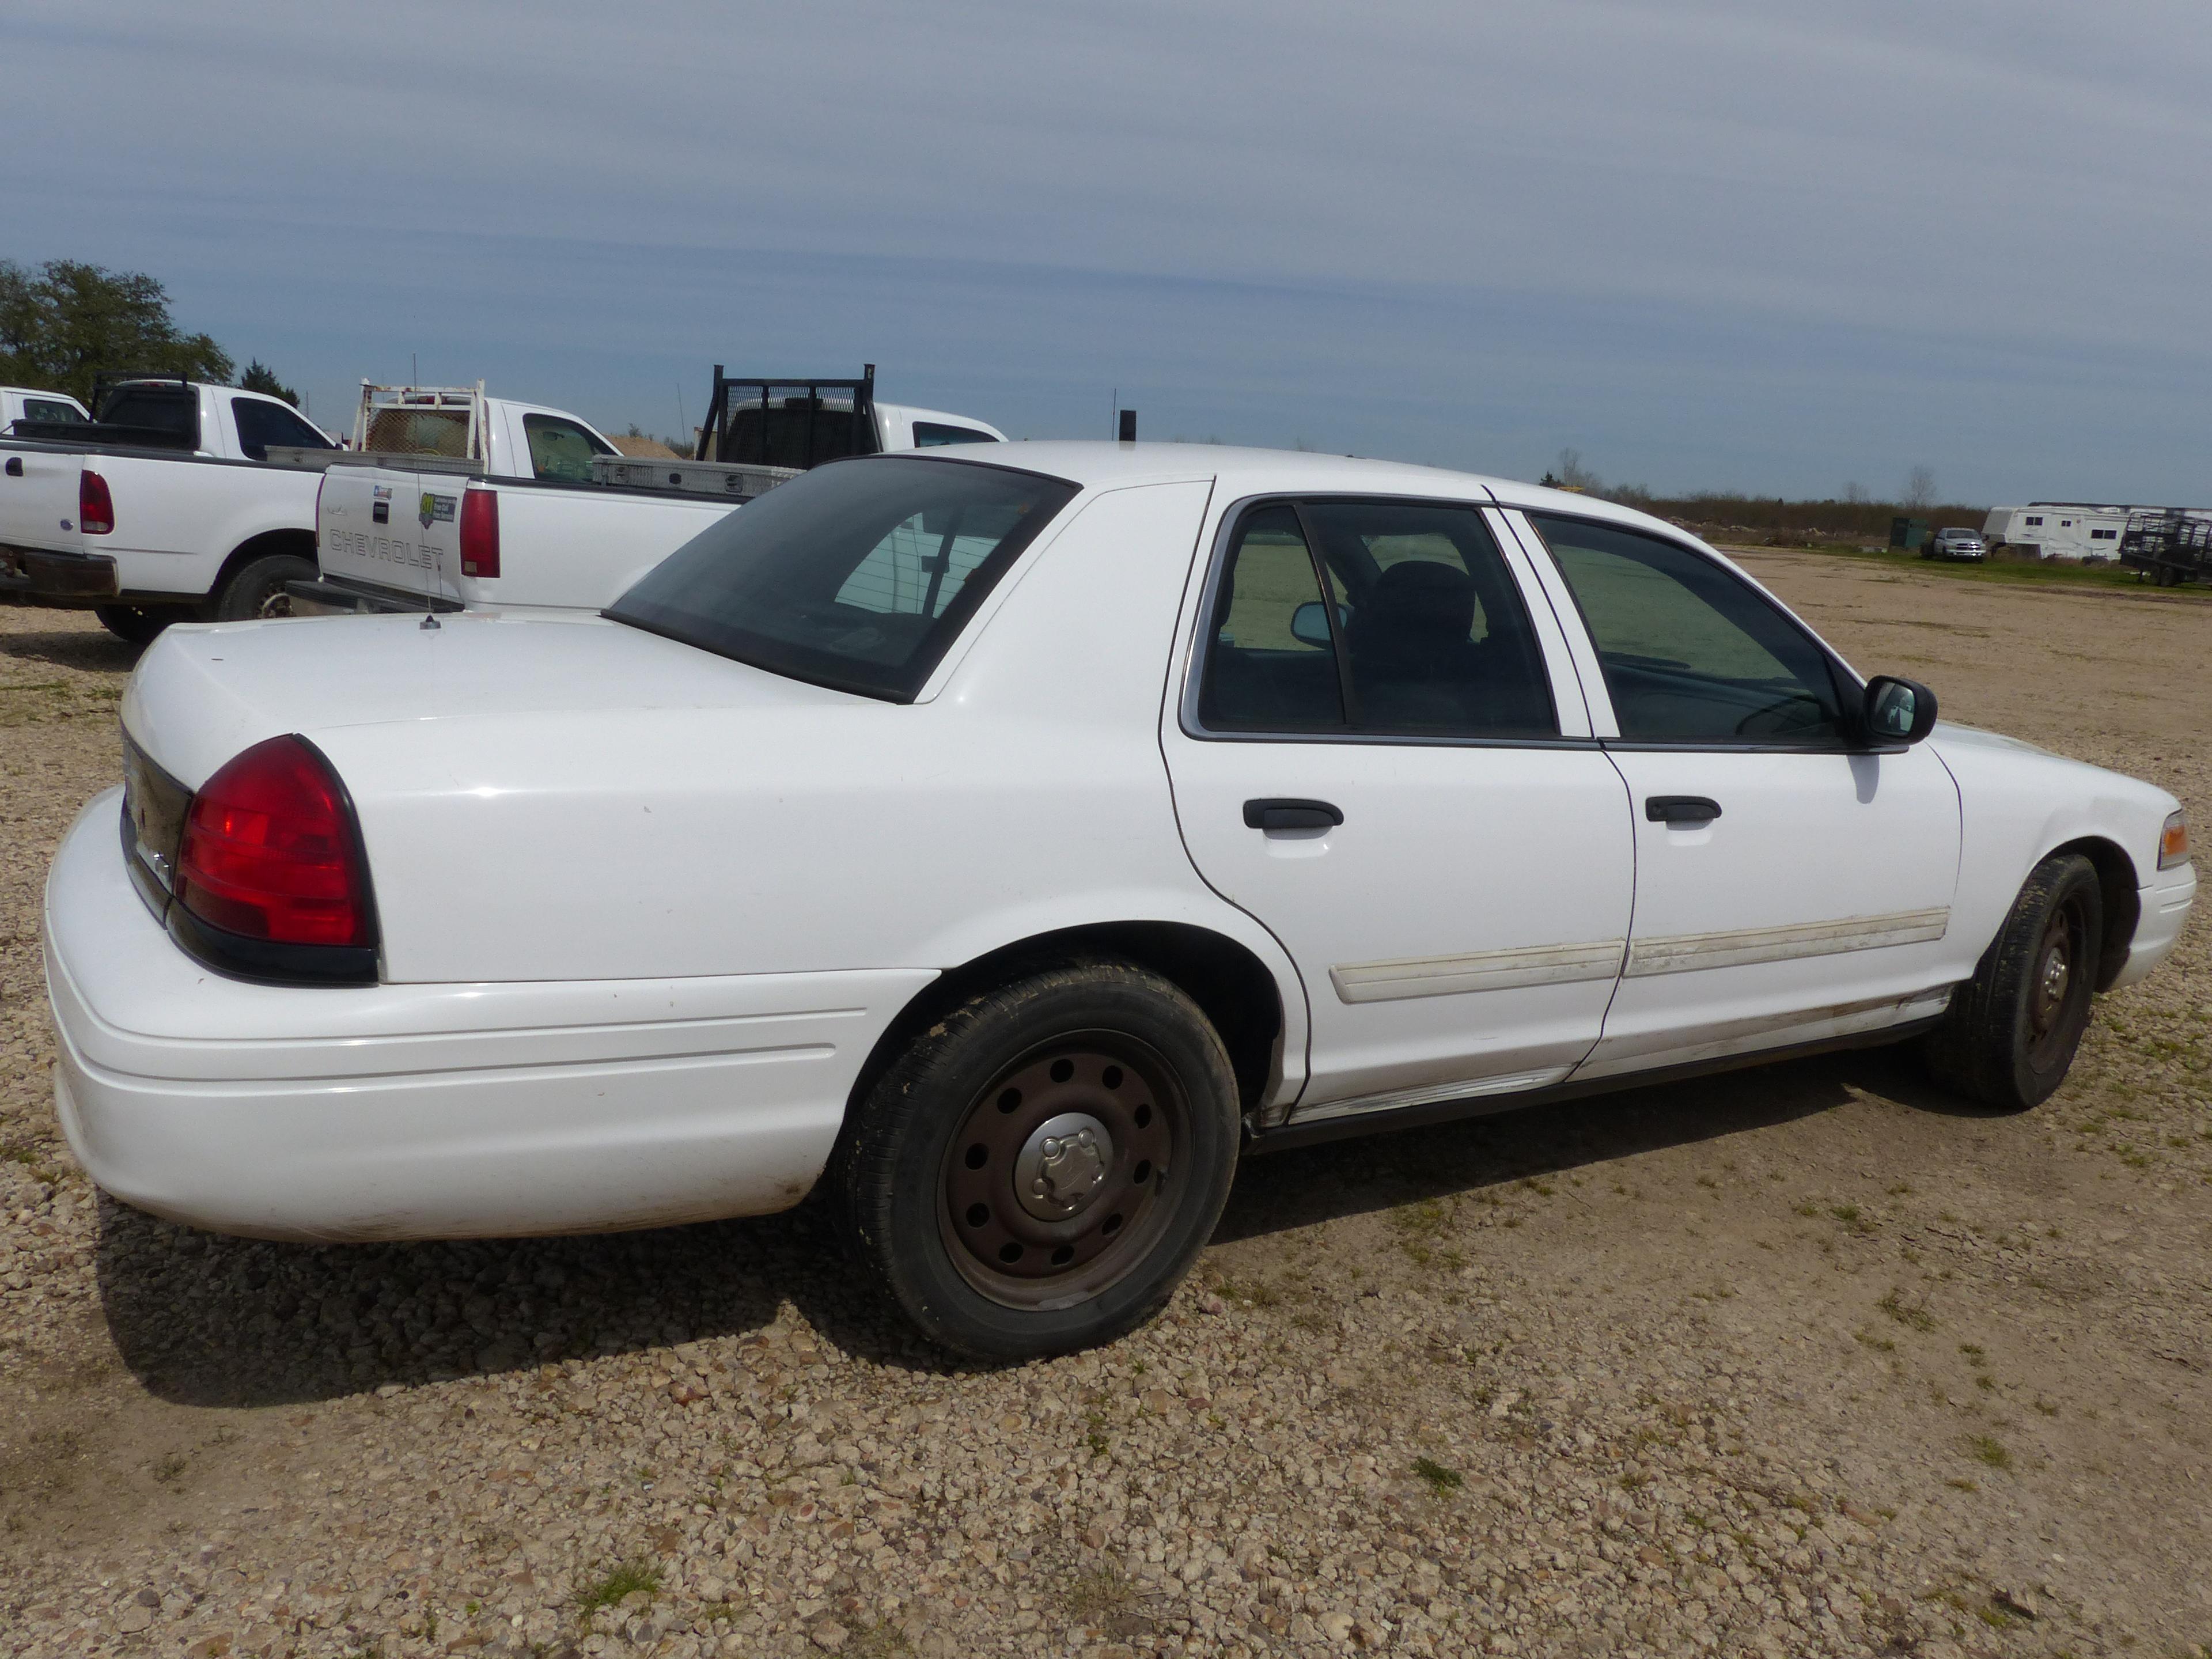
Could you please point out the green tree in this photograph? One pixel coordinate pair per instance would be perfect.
(63, 322)
(259, 377)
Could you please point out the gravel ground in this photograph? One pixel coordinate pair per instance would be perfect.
(1807, 1360)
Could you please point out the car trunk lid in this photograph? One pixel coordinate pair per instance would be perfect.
(201, 694)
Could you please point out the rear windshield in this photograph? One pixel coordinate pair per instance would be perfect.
(858, 575)
(161, 409)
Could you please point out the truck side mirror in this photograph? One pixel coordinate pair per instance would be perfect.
(1898, 710)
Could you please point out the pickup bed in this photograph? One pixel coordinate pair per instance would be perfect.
(435, 538)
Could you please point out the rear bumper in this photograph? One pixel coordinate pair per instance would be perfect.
(434, 1111)
(36, 575)
(326, 596)
(2165, 907)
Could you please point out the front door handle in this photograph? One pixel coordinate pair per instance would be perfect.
(1274, 813)
(1681, 809)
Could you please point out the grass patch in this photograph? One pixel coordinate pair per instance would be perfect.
(1438, 1479)
(1102, 1596)
(1907, 1314)
(1990, 1450)
(627, 1579)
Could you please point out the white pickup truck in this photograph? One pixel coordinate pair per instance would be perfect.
(586, 523)
(23, 403)
(185, 500)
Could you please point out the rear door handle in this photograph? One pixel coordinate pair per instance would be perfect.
(1275, 813)
(1681, 809)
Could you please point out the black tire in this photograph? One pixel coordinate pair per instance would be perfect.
(256, 588)
(134, 622)
(2011, 1030)
(1103, 1047)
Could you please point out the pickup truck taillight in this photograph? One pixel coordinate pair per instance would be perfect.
(269, 853)
(95, 508)
(479, 532)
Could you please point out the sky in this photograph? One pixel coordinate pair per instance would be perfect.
(1783, 246)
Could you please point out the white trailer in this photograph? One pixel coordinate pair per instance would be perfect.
(2059, 530)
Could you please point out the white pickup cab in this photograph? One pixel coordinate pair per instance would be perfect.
(22, 403)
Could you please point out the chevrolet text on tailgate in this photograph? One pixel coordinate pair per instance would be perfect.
(1011, 838)
(573, 528)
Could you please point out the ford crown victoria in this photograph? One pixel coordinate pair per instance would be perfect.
(1012, 842)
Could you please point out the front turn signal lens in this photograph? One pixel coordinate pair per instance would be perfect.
(2173, 843)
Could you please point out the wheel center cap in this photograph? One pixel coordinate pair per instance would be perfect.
(2054, 973)
(1063, 1165)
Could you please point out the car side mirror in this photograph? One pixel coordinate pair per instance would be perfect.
(1897, 710)
(1310, 623)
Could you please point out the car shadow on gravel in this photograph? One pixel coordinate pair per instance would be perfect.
(208, 1321)
(1381, 1172)
(93, 652)
(203, 1320)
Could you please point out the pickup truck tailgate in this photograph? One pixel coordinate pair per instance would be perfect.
(38, 498)
(391, 529)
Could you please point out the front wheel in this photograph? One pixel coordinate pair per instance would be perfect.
(2011, 1030)
(1039, 1170)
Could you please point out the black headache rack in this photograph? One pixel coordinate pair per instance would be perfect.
(762, 420)
(2173, 547)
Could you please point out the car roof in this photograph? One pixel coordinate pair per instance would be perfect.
(1238, 473)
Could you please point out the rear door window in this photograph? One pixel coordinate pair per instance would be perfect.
(561, 449)
(1691, 653)
(1272, 666)
(47, 408)
(261, 424)
(1424, 632)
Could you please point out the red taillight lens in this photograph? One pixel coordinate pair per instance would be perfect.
(269, 851)
(95, 508)
(479, 532)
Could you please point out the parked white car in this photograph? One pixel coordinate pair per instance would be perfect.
(1010, 839)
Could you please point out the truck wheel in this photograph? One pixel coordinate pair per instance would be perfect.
(134, 622)
(256, 588)
(1038, 1170)
(2011, 1030)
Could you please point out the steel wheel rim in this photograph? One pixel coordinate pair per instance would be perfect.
(2056, 978)
(278, 604)
(1041, 1254)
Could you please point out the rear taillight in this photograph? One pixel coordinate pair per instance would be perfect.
(479, 532)
(318, 514)
(269, 851)
(95, 508)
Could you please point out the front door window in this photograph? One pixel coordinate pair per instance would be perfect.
(1691, 653)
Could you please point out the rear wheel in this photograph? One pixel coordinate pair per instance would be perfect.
(2011, 1030)
(256, 588)
(1039, 1170)
(136, 622)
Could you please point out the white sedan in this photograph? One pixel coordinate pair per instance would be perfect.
(1012, 840)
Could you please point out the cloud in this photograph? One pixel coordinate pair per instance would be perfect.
(1771, 244)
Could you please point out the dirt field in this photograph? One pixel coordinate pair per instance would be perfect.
(1802, 1361)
